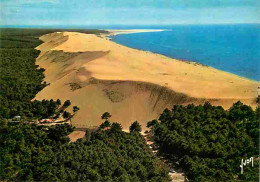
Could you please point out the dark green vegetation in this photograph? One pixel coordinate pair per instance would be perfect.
(20, 78)
(28, 38)
(106, 116)
(32, 154)
(207, 143)
(135, 127)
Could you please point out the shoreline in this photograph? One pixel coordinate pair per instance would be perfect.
(114, 32)
(158, 56)
(131, 31)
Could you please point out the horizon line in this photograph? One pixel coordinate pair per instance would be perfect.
(106, 25)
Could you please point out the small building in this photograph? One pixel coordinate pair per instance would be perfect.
(17, 118)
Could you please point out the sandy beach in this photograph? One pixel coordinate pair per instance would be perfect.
(117, 32)
(99, 75)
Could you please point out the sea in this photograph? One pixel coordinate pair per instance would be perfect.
(231, 48)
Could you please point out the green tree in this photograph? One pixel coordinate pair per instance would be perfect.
(105, 124)
(106, 115)
(116, 127)
(66, 115)
(3, 124)
(87, 135)
(58, 102)
(135, 127)
(152, 123)
(67, 103)
(75, 109)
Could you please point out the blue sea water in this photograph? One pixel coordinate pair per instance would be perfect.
(231, 48)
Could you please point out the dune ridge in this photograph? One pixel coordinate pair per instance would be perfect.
(99, 75)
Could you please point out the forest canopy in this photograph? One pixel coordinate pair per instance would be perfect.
(29, 153)
(207, 142)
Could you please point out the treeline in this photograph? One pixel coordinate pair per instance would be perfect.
(28, 38)
(29, 153)
(208, 143)
(20, 78)
(20, 81)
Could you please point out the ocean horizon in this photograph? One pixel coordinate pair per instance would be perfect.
(232, 48)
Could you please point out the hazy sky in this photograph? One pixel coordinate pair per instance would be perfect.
(128, 12)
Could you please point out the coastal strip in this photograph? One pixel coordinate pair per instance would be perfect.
(100, 76)
(130, 31)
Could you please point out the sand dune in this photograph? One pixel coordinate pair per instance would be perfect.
(99, 75)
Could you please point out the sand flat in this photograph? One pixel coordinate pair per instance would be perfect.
(121, 31)
(75, 135)
(129, 82)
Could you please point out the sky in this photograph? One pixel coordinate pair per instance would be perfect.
(127, 12)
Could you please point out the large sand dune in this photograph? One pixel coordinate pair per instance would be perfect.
(99, 75)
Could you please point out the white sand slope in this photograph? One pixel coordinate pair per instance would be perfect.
(99, 75)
